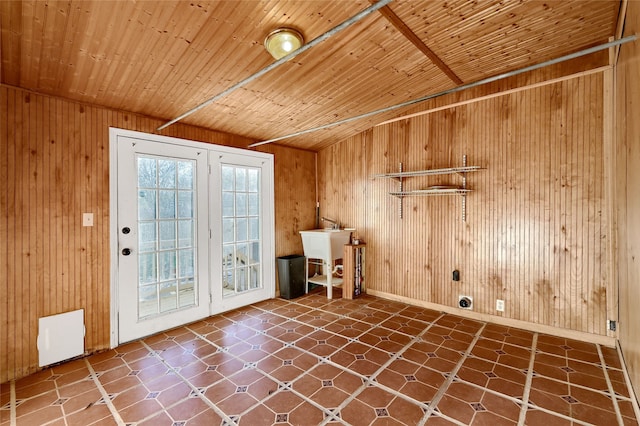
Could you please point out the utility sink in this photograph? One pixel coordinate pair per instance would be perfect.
(326, 244)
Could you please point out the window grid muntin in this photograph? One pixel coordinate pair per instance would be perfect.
(185, 294)
(242, 267)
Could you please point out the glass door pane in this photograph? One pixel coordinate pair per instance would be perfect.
(240, 205)
(166, 238)
(162, 235)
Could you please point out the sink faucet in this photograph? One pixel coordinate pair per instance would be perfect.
(334, 224)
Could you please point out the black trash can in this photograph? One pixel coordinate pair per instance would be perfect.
(291, 276)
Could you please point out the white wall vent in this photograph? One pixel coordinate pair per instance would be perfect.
(60, 337)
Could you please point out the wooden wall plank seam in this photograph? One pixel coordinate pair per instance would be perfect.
(539, 245)
(54, 162)
(626, 201)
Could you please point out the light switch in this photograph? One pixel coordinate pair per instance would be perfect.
(87, 219)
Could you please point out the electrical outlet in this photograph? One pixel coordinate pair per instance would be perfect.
(87, 219)
(500, 305)
(465, 302)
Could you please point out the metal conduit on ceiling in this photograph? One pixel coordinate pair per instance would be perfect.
(455, 89)
(366, 12)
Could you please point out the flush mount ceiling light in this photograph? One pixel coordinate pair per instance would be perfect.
(283, 41)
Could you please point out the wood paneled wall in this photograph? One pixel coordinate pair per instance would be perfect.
(627, 194)
(536, 228)
(54, 165)
(295, 193)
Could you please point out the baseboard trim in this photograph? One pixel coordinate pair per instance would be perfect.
(525, 325)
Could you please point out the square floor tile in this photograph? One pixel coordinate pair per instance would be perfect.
(312, 360)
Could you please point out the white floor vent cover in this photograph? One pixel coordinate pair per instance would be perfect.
(60, 337)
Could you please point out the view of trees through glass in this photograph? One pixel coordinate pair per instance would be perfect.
(166, 235)
(240, 229)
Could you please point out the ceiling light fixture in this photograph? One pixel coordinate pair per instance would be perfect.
(456, 89)
(333, 31)
(283, 41)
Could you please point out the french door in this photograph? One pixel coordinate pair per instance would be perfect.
(241, 212)
(192, 232)
(162, 224)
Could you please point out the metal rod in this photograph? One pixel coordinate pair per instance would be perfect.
(366, 12)
(456, 89)
(401, 191)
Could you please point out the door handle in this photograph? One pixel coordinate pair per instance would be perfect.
(126, 252)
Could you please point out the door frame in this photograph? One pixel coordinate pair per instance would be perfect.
(268, 235)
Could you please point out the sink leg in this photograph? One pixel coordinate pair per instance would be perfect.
(329, 283)
(306, 275)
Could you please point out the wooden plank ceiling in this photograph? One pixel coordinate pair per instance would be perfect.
(162, 58)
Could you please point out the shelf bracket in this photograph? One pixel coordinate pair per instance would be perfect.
(401, 190)
(464, 186)
(462, 190)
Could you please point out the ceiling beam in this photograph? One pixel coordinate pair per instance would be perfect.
(356, 18)
(622, 15)
(457, 89)
(391, 16)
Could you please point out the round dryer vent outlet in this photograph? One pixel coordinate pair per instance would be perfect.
(465, 302)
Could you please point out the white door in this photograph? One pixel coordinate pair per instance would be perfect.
(242, 237)
(163, 227)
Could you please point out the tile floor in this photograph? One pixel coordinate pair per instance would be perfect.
(312, 361)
